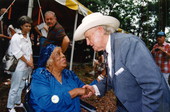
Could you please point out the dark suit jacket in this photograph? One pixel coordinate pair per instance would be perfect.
(136, 79)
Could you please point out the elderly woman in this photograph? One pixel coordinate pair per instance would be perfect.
(21, 48)
(54, 88)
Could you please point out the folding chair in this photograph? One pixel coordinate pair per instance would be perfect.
(27, 106)
(87, 106)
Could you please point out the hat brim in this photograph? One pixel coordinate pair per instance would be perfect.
(104, 20)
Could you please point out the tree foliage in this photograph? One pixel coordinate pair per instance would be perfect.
(140, 17)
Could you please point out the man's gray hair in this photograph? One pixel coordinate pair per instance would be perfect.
(108, 29)
(50, 12)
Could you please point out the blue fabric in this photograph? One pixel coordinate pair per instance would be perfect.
(45, 54)
(94, 82)
(42, 40)
(140, 87)
(161, 34)
(44, 86)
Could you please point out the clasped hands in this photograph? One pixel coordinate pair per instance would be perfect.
(88, 91)
(160, 48)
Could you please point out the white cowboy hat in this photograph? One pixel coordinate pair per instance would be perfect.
(92, 20)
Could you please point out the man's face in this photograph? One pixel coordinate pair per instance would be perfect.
(50, 20)
(160, 39)
(2, 11)
(94, 38)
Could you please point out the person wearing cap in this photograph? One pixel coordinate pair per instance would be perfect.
(59, 89)
(132, 73)
(161, 54)
(56, 34)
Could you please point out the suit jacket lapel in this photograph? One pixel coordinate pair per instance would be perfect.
(112, 38)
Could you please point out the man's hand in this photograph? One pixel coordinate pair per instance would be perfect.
(161, 48)
(164, 51)
(90, 89)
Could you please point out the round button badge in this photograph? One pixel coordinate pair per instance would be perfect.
(55, 99)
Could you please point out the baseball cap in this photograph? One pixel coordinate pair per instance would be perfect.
(161, 34)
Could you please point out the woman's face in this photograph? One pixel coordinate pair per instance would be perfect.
(59, 58)
(26, 28)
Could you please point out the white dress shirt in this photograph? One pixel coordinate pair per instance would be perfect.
(20, 46)
(109, 59)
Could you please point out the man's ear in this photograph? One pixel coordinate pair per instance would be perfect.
(100, 28)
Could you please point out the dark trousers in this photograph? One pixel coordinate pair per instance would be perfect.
(4, 43)
(42, 40)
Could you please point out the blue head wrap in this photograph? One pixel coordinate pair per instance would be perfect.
(45, 54)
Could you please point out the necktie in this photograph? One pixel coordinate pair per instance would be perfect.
(107, 69)
(106, 62)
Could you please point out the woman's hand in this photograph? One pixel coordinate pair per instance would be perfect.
(30, 63)
(79, 92)
(90, 89)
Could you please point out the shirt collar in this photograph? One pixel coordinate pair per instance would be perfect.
(164, 44)
(53, 26)
(22, 36)
(108, 46)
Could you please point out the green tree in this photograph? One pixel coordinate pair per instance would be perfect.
(141, 17)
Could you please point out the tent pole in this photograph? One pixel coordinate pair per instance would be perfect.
(30, 7)
(73, 41)
(1, 17)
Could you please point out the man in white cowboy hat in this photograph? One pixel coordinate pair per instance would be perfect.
(133, 75)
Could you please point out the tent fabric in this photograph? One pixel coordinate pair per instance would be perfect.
(65, 11)
(75, 5)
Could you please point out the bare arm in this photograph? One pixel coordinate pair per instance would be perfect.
(78, 92)
(65, 43)
(4, 36)
(29, 63)
(32, 61)
(36, 29)
(46, 28)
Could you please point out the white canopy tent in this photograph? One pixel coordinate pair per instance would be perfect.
(72, 4)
